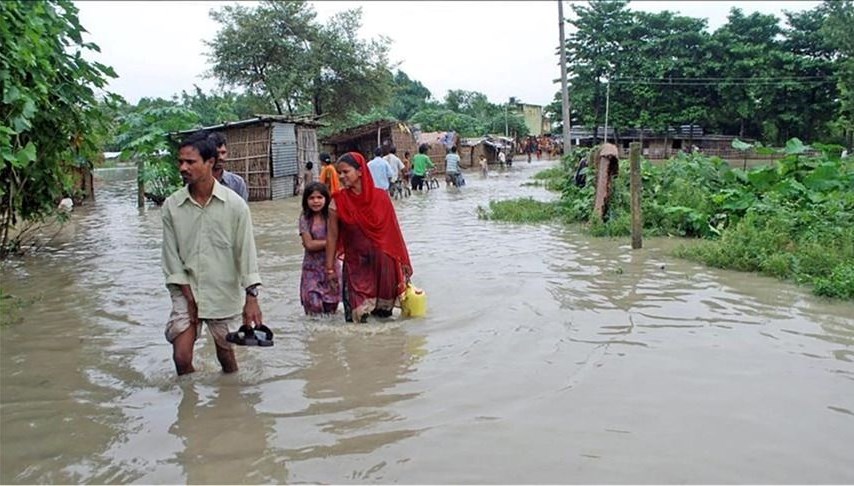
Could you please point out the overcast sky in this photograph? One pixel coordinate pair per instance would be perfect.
(501, 49)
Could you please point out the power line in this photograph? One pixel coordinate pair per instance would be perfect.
(728, 83)
(736, 78)
(731, 81)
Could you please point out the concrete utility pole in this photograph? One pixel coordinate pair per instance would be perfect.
(636, 187)
(564, 87)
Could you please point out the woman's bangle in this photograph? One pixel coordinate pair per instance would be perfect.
(330, 270)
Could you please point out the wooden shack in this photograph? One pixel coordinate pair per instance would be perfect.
(471, 150)
(365, 138)
(269, 152)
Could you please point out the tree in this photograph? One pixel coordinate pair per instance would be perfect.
(347, 73)
(408, 97)
(49, 116)
(144, 135)
(837, 30)
(594, 51)
(442, 119)
(278, 50)
(751, 77)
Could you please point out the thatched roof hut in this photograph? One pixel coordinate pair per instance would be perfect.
(269, 152)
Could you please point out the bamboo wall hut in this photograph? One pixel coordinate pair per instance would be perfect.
(269, 152)
(365, 138)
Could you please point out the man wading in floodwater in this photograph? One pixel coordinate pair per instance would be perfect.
(208, 258)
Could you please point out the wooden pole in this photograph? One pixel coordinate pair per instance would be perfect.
(564, 84)
(140, 193)
(637, 217)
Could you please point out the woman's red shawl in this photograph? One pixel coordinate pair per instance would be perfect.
(373, 212)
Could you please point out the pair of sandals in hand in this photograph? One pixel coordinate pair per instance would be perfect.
(260, 335)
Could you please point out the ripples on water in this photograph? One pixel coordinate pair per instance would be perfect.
(547, 356)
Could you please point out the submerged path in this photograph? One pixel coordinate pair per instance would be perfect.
(547, 356)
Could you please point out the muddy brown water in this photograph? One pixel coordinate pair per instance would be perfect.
(547, 357)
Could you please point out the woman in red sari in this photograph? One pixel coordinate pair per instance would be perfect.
(363, 223)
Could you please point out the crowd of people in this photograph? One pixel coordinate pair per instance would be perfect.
(538, 146)
(355, 255)
(354, 251)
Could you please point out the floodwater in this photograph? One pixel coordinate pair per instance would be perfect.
(546, 357)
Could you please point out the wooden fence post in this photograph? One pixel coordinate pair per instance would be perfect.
(636, 189)
(140, 194)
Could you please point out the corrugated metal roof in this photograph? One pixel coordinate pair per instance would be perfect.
(299, 120)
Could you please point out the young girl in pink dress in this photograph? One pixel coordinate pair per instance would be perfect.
(316, 293)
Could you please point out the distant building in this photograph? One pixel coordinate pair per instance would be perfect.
(660, 144)
(533, 116)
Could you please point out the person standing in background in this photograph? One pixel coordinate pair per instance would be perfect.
(224, 177)
(452, 168)
(407, 169)
(421, 163)
(380, 170)
(328, 174)
(394, 163)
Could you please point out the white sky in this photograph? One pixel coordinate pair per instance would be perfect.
(499, 48)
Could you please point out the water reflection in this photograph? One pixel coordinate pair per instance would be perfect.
(225, 440)
(351, 380)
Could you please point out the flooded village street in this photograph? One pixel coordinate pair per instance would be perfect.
(547, 356)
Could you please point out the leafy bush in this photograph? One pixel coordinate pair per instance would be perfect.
(794, 220)
(49, 117)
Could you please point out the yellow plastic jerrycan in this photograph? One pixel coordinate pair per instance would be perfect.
(414, 303)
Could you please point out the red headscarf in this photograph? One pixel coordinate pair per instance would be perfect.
(374, 213)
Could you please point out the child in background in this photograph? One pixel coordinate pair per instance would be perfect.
(407, 170)
(307, 175)
(315, 293)
(484, 166)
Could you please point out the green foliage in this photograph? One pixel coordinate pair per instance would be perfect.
(839, 284)
(218, 108)
(836, 31)
(279, 51)
(144, 135)
(522, 210)
(444, 119)
(751, 77)
(792, 221)
(49, 118)
(408, 98)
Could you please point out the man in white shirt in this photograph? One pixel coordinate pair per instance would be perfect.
(394, 163)
(380, 170)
